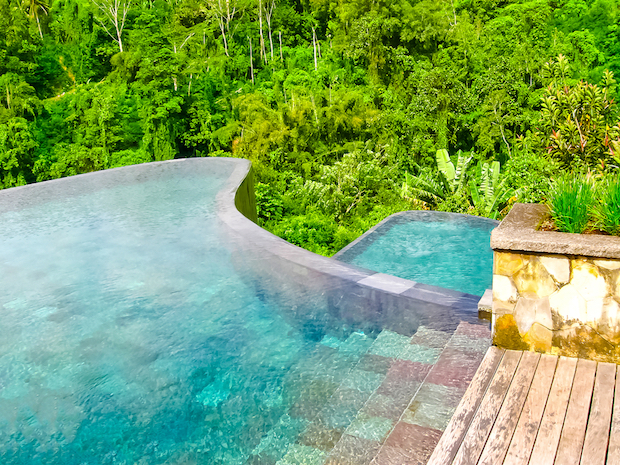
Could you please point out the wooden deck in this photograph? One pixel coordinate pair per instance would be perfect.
(527, 408)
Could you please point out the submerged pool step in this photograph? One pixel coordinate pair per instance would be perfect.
(410, 360)
(421, 425)
(391, 405)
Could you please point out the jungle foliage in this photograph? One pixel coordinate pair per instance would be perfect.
(349, 110)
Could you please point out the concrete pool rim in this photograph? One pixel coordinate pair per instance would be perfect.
(236, 195)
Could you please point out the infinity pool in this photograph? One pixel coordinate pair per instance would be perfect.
(441, 249)
(137, 327)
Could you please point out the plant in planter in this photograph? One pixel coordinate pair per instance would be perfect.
(579, 204)
(607, 212)
(571, 202)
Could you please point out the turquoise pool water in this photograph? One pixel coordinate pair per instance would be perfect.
(135, 330)
(441, 249)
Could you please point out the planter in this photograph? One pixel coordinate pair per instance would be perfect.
(555, 292)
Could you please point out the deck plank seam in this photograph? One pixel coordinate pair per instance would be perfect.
(520, 410)
(555, 370)
(461, 451)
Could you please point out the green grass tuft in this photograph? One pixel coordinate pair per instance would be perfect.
(607, 212)
(572, 200)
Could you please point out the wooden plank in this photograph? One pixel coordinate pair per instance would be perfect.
(597, 432)
(613, 454)
(548, 438)
(455, 431)
(480, 427)
(531, 415)
(574, 429)
(499, 440)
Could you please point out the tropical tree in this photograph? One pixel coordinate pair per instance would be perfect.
(114, 17)
(33, 8)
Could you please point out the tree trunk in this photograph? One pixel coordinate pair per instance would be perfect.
(224, 38)
(316, 63)
(251, 61)
(39, 25)
(281, 56)
(263, 52)
(270, 42)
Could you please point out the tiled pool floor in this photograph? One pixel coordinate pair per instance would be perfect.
(390, 409)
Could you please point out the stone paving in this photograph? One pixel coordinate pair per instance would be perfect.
(389, 409)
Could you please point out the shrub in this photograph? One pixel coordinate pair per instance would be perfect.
(571, 202)
(607, 211)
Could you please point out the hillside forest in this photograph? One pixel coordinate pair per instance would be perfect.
(349, 110)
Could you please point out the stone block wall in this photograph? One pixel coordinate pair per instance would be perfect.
(555, 292)
(568, 305)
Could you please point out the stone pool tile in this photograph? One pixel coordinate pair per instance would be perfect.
(331, 341)
(433, 406)
(384, 406)
(470, 344)
(375, 363)
(406, 370)
(299, 454)
(275, 443)
(455, 369)
(352, 450)
(415, 442)
(420, 353)
(342, 408)
(431, 338)
(319, 436)
(392, 456)
(371, 428)
(363, 380)
(400, 392)
(356, 343)
(261, 460)
(312, 399)
(477, 331)
(340, 367)
(389, 344)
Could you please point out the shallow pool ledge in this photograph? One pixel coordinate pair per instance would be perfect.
(555, 292)
(352, 292)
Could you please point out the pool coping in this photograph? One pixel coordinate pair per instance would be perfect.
(519, 232)
(231, 195)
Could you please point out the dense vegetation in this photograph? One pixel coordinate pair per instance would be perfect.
(349, 110)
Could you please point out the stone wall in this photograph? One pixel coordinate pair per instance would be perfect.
(560, 303)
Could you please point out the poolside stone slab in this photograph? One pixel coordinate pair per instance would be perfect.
(386, 282)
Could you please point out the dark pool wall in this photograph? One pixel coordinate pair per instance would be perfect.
(245, 199)
(365, 299)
